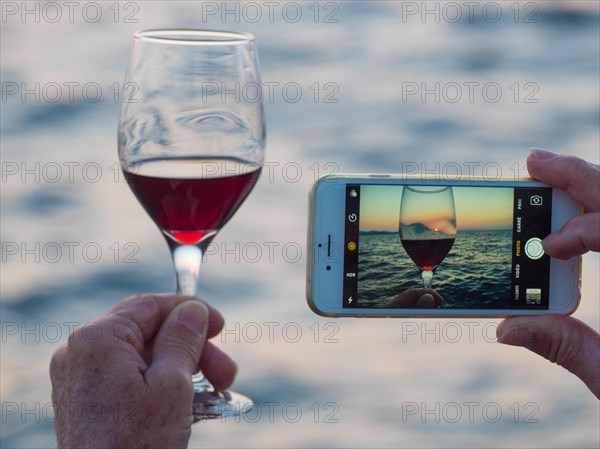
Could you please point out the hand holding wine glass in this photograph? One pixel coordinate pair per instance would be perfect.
(191, 145)
(134, 373)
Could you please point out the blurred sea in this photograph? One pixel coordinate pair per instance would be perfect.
(467, 278)
(353, 89)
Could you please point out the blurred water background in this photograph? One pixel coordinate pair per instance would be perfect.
(476, 273)
(352, 88)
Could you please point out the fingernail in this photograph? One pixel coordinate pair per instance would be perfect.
(194, 315)
(543, 155)
(514, 336)
(500, 330)
(548, 239)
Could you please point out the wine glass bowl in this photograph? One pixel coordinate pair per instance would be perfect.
(427, 226)
(191, 145)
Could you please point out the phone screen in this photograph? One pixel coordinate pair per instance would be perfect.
(469, 247)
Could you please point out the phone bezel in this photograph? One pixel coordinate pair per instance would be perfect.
(324, 286)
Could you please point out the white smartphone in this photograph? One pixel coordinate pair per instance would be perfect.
(402, 246)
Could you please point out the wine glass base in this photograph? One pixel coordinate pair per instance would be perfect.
(219, 404)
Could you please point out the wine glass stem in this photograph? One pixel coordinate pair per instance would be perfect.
(427, 276)
(187, 260)
(209, 403)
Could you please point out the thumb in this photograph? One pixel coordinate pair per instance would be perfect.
(180, 341)
(580, 235)
(561, 339)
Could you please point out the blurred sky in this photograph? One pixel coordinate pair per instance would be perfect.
(476, 208)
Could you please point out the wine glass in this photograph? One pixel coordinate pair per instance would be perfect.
(191, 146)
(427, 226)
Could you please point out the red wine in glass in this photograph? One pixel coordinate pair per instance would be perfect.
(428, 253)
(191, 199)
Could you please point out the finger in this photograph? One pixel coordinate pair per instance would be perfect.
(561, 339)
(166, 303)
(180, 340)
(412, 298)
(580, 235)
(217, 366)
(437, 298)
(580, 179)
(144, 314)
(57, 364)
(425, 302)
(404, 300)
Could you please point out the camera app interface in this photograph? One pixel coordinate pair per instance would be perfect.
(446, 247)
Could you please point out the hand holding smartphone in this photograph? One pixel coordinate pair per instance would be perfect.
(562, 339)
(394, 245)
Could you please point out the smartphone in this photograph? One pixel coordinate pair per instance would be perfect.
(405, 246)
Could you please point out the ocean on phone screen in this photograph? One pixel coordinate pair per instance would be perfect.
(476, 273)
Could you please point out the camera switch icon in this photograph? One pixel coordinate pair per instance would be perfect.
(536, 200)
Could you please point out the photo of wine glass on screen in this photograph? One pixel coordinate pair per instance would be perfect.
(427, 227)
